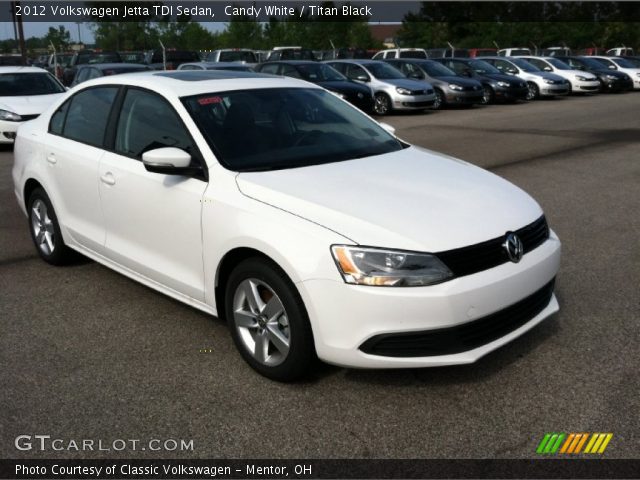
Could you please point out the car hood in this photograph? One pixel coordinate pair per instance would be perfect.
(548, 75)
(35, 104)
(405, 83)
(344, 86)
(501, 77)
(413, 199)
(580, 73)
(462, 81)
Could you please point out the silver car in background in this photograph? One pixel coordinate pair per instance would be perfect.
(392, 90)
(540, 84)
(581, 82)
(243, 55)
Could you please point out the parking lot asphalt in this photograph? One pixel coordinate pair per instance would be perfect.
(89, 354)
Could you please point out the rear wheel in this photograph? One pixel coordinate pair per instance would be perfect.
(45, 230)
(533, 91)
(382, 104)
(268, 321)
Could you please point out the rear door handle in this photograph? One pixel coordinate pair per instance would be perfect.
(51, 158)
(108, 179)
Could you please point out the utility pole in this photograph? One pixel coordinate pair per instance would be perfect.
(18, 19)
(79, 37)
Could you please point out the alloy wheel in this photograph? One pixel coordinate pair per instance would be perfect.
(43, 228)
(437, 102)
(532, 91)
(382, 104)
(487, 94)
(262, 323)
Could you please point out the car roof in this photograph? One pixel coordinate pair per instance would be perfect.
(21, 69)
(219, 64)
(105, 66)
(360, 61)
(294, 62)
(184, 83)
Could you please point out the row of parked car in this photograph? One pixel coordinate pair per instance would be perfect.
(374, 86)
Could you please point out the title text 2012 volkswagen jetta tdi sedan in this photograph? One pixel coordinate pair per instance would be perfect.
(274, 204)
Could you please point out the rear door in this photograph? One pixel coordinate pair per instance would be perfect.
(73, 158)
(153, 220)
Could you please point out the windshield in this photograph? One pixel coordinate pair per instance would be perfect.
(25, 84)
(234, 68)
(86, 58)
(605, 63)
(591, 63)
(559, 64)
(435, 69)
(318, 72)
(238, 56)
(62, 60)
(413, 54)
(516, 52)
(271, 129)
(524, 65)
(623, 62)
(634, 61)
(384, 71)
(480, 66)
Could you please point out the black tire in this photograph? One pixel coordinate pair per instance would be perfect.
(292, 325)
(52, 249)
(533, 92)
(439, 101)
(382, 104)
(488, 95)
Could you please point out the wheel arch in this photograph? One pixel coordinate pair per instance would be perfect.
(29, 186)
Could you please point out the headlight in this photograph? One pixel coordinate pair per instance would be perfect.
(403, 91)
(10, 116)
(455, 86)
(550, 82)
(583, 79)
(338, 94)
(388, 268)
(504, 84)
(611, 77)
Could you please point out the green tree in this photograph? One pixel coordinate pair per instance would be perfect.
(60, 38)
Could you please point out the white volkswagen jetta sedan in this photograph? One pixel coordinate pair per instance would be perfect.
(272, 203)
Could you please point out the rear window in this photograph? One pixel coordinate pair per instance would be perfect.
(25, 84)
(89, 58)
(238, 56)
(413, 54)
(176, 56)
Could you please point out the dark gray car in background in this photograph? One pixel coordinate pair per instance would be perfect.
(449, 88)
(496, 86)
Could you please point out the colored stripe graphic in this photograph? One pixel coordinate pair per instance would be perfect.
(572, 443)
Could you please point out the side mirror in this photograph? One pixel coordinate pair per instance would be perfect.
(512, 71)
(548, 69)
(612, 67)
(169, 161)
(362, 78)
(388, 128)
(416, 75)
(467, 72)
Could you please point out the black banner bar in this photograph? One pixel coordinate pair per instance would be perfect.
(333, 11)
(308, 469)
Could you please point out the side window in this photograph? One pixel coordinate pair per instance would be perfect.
(81, 76)
(538, 63)
(405, 68)
(93, 73)
(339, 67)
(187, 67)
(146, 122)
(391, 54)
(57, 119)
(378, 56)
(290, 71)
(356, 71)
(88, 115)
(271, 68)
(502, 65)
(458, 67)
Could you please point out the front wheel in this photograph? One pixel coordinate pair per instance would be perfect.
(382, 104)
(45, 230)
(487, 95)
(438, 102)
(533, 91)
(268, 321)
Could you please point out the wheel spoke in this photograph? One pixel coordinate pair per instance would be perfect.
(40, 236)
(273, 308)
(261, 348)
(49, 241)
(278, 339)
(253, 296)
(245, 319)
(36, 212)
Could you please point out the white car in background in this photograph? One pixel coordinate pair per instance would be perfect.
(25, 92)
(581, 82)
(622, 65)
(540, 84)
(272, 203)
(513, 52)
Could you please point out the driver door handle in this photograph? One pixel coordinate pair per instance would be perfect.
(108, 179)
(51, 158)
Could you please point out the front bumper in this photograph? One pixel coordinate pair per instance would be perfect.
(511, 94)
(552, 90)
(344, 317)
(412, 102)
(454, 97)
(579, 86)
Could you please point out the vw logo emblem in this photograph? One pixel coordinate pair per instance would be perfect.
(513, 246)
